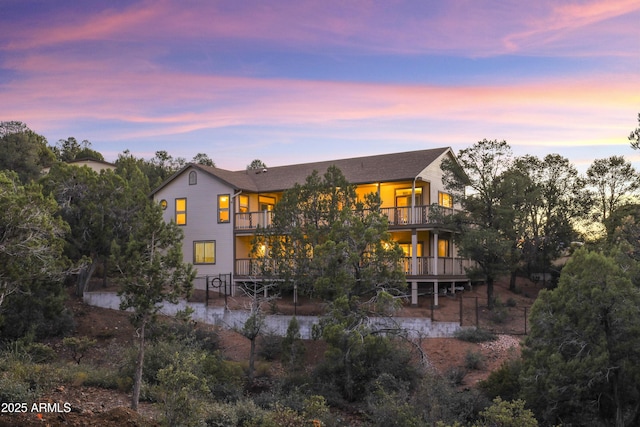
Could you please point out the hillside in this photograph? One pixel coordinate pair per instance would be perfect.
(95, 406)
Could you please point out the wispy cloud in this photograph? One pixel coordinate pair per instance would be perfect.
(126, 70)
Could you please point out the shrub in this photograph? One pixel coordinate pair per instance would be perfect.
(473, 360)
(456, 375)
(499, 315)
(388, 405)
(511, 302)
(475, 335)
(437, 399)
(270, 346)
(507, 414)
(503, 382)
(293, 348)
(78, 346)
(13, 389)
(226, 379)
(207, 339)
(220, 414)
(40, 353)
(180, 391)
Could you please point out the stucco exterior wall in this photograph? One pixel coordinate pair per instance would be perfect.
(202, 218)
(415, 327)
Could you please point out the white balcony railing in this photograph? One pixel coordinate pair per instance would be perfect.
(405, 215)
(250, 267)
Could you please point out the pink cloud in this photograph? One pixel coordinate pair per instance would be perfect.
(472, 28)
(161, 103)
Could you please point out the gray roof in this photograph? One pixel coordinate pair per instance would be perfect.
(357, 170)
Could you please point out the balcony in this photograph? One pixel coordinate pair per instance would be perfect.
(418, 215)
(447, 267)
(397, 216)
(252, 220)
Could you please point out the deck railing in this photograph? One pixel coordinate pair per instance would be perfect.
(397, 216)
(251, 267)
(251, 220)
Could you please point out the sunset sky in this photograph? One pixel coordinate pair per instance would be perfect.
(298, 81)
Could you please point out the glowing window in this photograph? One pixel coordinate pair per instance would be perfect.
(266, 203)
(445, 199)
(407, 249)
(204, 252)
(223, 208)
(443, 248)
(243, 204)
(181, 211)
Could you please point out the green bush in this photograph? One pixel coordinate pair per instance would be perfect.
(180, 391)
(475, 335)
(438, 399)
(21, 379)
(78, 346)
(293, 348)
(219, 414)
(270, 346)
(503, 382)
(456, 375)
(387, 405)
(507, 414)
(473, 360)
(225, 379)
(208, 339)
(13, 389)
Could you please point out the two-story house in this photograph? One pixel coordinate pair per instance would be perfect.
(219, 211)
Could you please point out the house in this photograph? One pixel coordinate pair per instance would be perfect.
(93, 164)
(219, 211)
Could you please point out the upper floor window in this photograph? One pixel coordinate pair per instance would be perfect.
(204, 252)
(223, 208)
(193, 178)
(266, 203)
(243, 203)
(404, 196)
(181, 211)
(445, 199)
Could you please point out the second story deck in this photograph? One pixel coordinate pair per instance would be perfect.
(398, 217)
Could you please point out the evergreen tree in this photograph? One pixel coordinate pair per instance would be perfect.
(151, 272)
(582, 357)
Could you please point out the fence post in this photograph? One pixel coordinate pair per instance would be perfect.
(477, 315)
(461, 310)
(206, 278)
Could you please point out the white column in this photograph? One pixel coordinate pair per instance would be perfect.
(414, 252)
(435, 269)
(414, 293)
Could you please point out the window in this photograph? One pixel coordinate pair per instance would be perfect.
(443, 248)
(193, 178)
(243, 204)
(204, 252)
(181, 211)
(266, 203)
(445, 199)
(403, 197)
(407, 249)
(223, 208)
